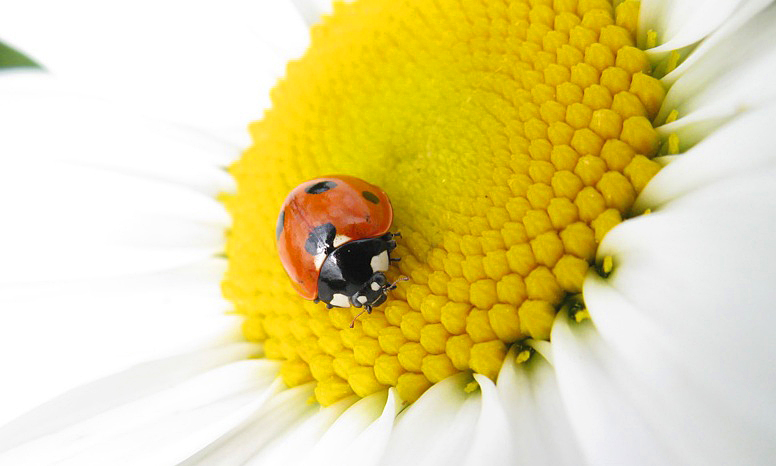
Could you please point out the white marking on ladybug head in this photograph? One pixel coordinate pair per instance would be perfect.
(318, 260)
(339, 300)
(340, 240)
(374, 286)
(380, 262)
(362, 299)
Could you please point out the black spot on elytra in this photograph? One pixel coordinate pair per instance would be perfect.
(369, 196)
(320, 187)
(279, 227)
(321, 239)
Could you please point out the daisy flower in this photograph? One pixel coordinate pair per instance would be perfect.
(585, 192)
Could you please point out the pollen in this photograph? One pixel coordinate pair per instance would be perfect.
(510, 136)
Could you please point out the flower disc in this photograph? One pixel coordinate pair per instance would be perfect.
(509, 136)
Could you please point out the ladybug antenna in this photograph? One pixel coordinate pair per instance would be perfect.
(392, 286)
(366, 309)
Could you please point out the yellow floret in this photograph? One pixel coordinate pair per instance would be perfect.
(410, 386)
(536, 318)
(486, 357)
(332, 390)
(437, 367)
(505, 322)
(411, 356)
(363, 381)
(570, 272)
(388, 369)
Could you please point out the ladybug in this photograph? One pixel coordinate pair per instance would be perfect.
(333, 240)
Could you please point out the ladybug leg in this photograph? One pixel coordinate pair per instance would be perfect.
(317, 300)
(389, 242)
(394, 259)
(329, 306)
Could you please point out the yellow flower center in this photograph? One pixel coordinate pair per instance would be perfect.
(510, 137)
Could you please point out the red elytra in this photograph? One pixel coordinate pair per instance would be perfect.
(356, 209)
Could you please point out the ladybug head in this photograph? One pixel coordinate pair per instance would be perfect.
(373, 293)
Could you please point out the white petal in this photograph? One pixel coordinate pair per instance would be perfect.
(368, 448)
(699, 272)
(313, 10)
(716, 245)
(746, 10)
(738, 148)
(72, 222)
(209, 65)
(491, 443)
(597, 394)
(291, 447)
(438, 428)
(360, 434)
(729, 76)
(544, 348)
(539, 427)
(255, 430)
(680, 23)
(667, 391)
(93, 398)
(63, 334)
(170, 425)
(42, 120)
(650, 18)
